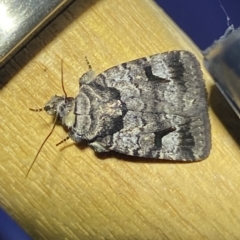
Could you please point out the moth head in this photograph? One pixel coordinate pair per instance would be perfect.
(59, 106)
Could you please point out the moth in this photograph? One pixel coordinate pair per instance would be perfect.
(151, 107)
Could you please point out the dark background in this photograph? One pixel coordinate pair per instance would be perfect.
(202, 20)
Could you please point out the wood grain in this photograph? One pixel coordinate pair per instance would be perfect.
(73, 194)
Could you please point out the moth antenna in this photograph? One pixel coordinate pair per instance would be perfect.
(64, 140)
(88, 63)
(43, 143)
(36, 109)
(63, 88)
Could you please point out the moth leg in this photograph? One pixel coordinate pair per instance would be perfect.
(88, 76)
(98, 147)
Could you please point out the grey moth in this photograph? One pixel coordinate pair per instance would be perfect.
(151, 107)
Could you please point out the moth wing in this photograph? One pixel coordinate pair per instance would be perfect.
(165, 103)
(173, 138)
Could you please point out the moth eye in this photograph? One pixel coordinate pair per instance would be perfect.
(47, 108)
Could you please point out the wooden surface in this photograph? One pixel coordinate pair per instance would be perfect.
(73, 194)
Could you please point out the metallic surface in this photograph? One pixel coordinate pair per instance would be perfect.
(222, 60)
(20, 19)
